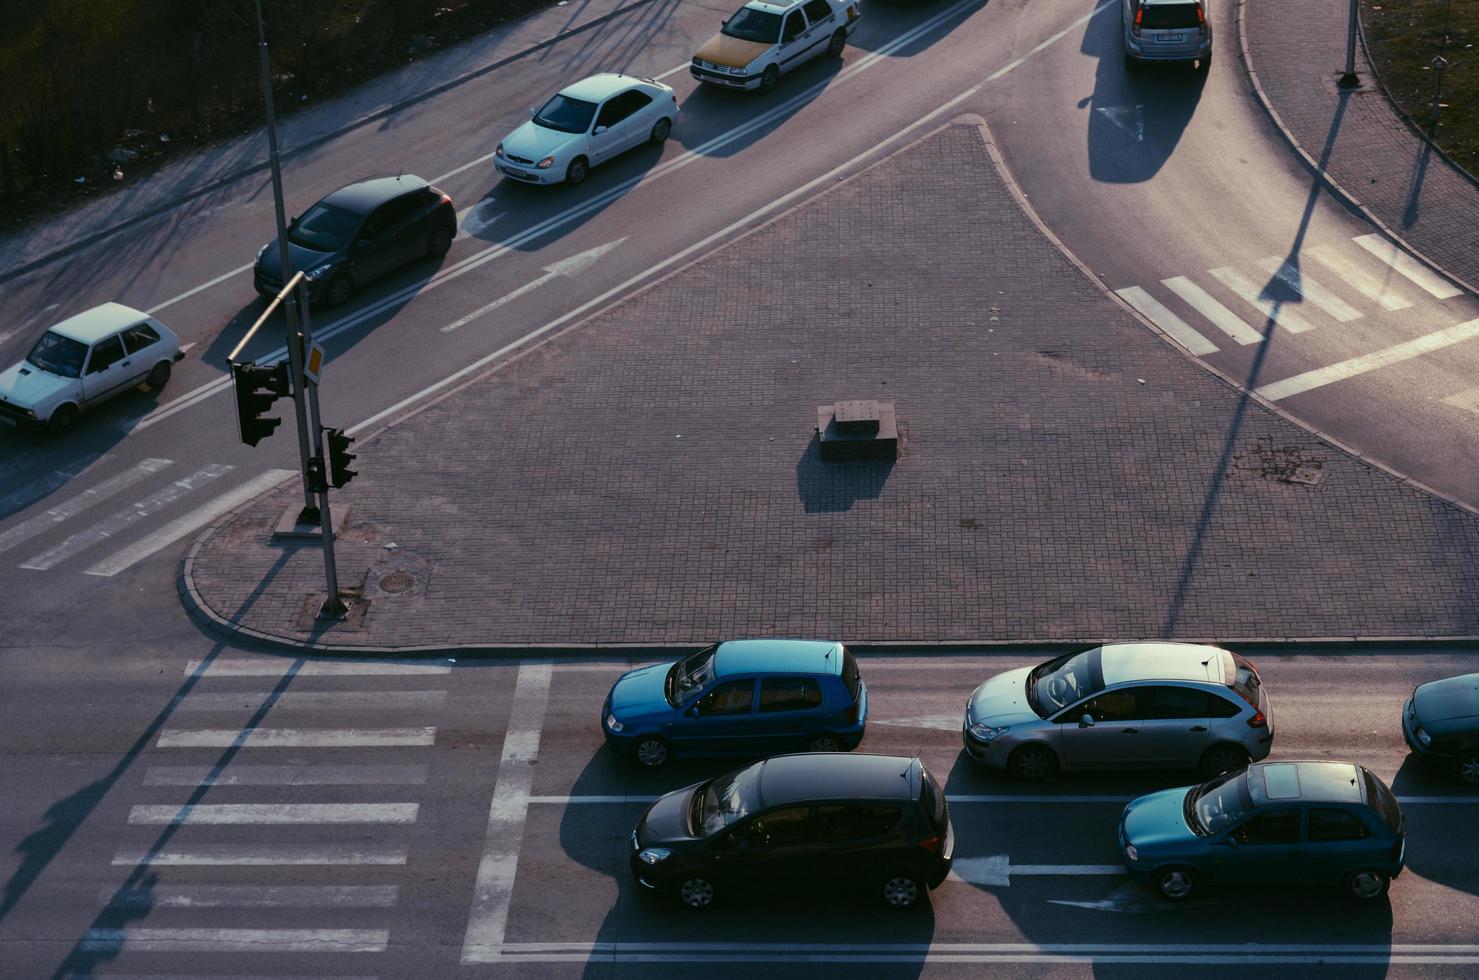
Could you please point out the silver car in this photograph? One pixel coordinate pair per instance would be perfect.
(1166, 30)
(1122, 706)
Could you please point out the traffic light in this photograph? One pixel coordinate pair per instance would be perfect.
(315, 476)
(256, 389)
(339, 457)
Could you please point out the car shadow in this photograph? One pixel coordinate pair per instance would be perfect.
(1434, 837)
(734, 121)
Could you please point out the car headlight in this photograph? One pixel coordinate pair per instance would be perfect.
(1423, 737)
(546, 163)
(654, 855)
(314, 275)
(1131, 853)
(498, 151)
(983, 732)
(613, 724)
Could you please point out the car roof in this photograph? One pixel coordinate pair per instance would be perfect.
(773, 6)
(598, 88)
(367, 195)
(1123, 662)
(1307, 782)
(778, 657)
(101, 321)
(837, 775)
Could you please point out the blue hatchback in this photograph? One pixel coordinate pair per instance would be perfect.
(740, 698)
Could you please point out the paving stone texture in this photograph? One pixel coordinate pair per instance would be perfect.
(652, 476)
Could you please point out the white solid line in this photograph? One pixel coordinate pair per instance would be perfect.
(182, 526)
(1281, 314)
(964, 799)
(293, 738)
(140, 939)
(1359, 279)
(251, 896)
(487, 919)
(105, 529)
(1408, 266)
(1405, 351)
(1207, 305)
(1292, 276)
(230, 855)
(528, 287)
(272, 813)
(203, 286)
(278, 667)
(75, 505)
(249, 775)
(313, 700)
(1171, 324)
(1071, 870)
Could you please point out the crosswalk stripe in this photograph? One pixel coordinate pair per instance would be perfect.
(1280, 314)
(1466, 400)
(1204, 303)
(1292, 276)
(149, 940)
(293, 738)
(246, 775)
(28, 529)
(277, 667)
(231, 855)
(39, 489)
(1370, 362)
(1174, 327)
(272, 813)
(251, 896)
(110, 526)
(1359, 279)
(182, 526)
(224, 976)
(313, 700)
(1408, 266)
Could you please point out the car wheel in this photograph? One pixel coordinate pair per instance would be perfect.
(824, 742)
(63, 419)
(158, 376)
(1468, 768)
(575, 173)
(661, 129)
(769, 77)
(439, 242)
(1366, 884)
(697, 892)
(1177, 884)
(902, 890)
(1033, 763)
(1223, 758)
(838, 42)
(339, 289)
(652, 752)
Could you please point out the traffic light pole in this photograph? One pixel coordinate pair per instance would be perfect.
(333, 607)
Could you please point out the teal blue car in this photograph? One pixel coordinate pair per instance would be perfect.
(1272, 823)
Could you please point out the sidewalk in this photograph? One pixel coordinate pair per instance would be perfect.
(650, 476)
(1372, 154)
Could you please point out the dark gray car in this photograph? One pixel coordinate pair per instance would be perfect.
(1166, 30)
(1441, 724)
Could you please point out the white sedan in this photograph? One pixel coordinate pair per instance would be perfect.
(81, 361)
(586, 124)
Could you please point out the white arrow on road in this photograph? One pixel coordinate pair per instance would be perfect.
(574, 265)
(996, 870)
(1129, 118)
(1127, 898)
(945, 723)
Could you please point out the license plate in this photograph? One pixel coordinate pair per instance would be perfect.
(1172, 38)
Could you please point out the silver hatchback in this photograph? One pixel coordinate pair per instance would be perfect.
(1122, 706)
(1166, 30)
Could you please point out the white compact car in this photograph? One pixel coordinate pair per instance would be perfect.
(766, 38)
(587, 124)
(84, 360)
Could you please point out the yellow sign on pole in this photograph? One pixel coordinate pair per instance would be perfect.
(313, 363)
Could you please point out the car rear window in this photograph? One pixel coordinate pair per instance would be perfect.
(851, 679)
(1383, 802)
(931, 797)
(1168, 16)
(1240, 675)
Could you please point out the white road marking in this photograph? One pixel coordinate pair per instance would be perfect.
(1466, 400)
(277, 667)
(249, 775)
(1405, 264)
(34, 490)
(272, 813)
(472, 221)
(1131, 119)
(28, 529)
(943, 723)
(181, 526)
(1129, 897)
(970, 799)
(1171, 324)
(141, 939)
(571, 266)
(293, 738)
(105, 529)
(233, 855)
(1207, 305)
(996, 870)
(313, 700)
(1405, 351)
(1358, 278)
(203, 286)
(1281, 314)
(487, 920)
(252, 896)
(1292, 276)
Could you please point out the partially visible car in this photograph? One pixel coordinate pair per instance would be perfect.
(85, 360)
(1272, 824)
(767, 38)
(586, 124)
(1441, 724)
(1122, 706)
(739, 698)
(358, 234)
(825, 822)
(1166, 30)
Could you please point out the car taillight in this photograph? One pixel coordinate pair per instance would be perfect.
(851, 714)
(1201, 21)
(446, 198)
(1135, 29)
(1258, 721)
(934, 845)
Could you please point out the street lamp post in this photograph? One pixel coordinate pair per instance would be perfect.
(1349, 79)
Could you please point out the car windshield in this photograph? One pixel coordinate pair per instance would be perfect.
(1218, 803)
(688, 675)
(754, 25)
(1058, 683)
(725, 799)
(566, 115)
(58, 355)
(324, 228)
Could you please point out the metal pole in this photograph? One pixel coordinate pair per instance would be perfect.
(333, 607)
(309, 513)
(1349, 79)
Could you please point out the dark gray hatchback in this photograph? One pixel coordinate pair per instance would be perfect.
(1441, 724)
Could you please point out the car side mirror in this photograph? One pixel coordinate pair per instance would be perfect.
(692, 710)
(1228, 841)
(533, 112)
(599, 130)
(1086, 721)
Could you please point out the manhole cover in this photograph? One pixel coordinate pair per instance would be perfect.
(397, 582)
